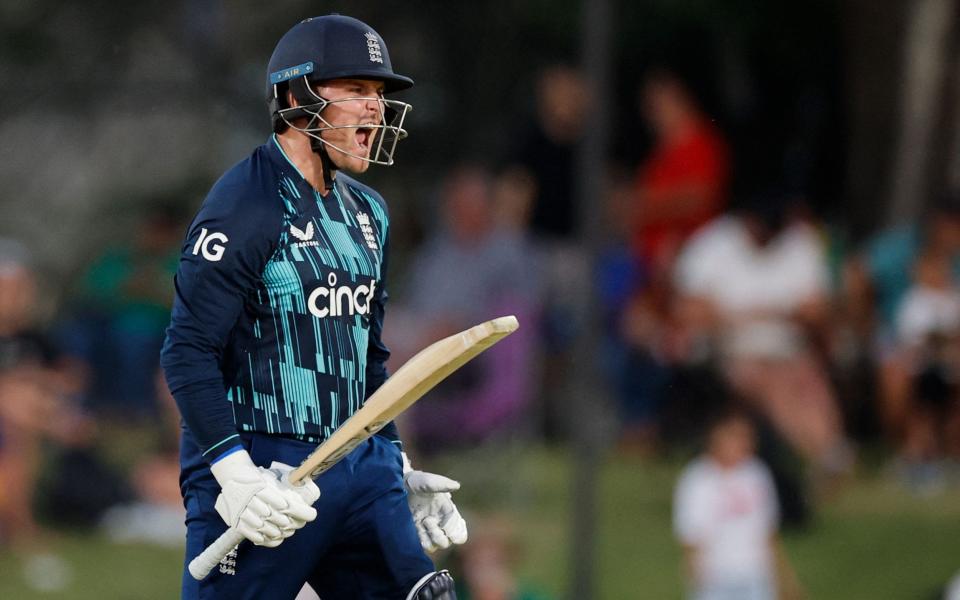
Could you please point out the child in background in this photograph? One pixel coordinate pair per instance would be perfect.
(726, 518)
(931, 307)
(928, 342)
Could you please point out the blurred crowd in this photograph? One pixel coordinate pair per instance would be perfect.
(738, 313)
(708, 299)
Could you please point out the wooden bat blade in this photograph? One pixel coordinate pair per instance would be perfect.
(415, 378)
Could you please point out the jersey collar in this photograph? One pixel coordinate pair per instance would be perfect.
(276, 150)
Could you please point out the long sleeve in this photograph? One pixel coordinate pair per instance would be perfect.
(226, 247)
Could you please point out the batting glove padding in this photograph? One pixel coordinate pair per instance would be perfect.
(258, 503)
(306, 489)
(436, 517)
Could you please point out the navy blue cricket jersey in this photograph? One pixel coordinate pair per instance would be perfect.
(277, 319)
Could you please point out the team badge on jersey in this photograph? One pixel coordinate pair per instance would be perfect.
(364, 221)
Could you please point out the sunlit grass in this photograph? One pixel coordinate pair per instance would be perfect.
(871, 540)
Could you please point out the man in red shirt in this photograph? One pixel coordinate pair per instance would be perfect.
(683, 183)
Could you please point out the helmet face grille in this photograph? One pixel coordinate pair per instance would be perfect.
(384, 134)
(335, 47)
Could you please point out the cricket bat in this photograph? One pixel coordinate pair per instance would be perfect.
(411, 381)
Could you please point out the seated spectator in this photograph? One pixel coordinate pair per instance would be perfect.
(876, 283)
(124, 310)
(928, 342)
(725, 516)
(751, 288)
(471, 270)
(631, 361)
(37, 389)
(930, 307)
(677, 188)
(154, 513)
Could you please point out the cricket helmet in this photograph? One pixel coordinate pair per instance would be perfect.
(334, 47)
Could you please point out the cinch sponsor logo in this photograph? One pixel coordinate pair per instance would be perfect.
(335, 301)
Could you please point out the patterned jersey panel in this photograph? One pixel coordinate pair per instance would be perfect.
(279, 306)
(306, 345)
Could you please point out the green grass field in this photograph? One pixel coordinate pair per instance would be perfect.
(872, 541)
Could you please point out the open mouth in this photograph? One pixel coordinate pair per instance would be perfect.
(365, 137)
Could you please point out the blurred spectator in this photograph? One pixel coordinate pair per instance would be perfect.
(876, 284)
(931, 306)
(37, 389)
(542, 175)
(472, 269)
(887, 261)
(546, 152)
(752, 289)
(156, 514)
(631, 359)
(725, 516)
(125, 307)
(679, 187)
(487, 564)
(928, 344)
(683, 183)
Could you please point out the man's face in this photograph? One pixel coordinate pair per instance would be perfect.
(664, 106)
(360, 107)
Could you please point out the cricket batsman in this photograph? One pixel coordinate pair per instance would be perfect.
(275, 341)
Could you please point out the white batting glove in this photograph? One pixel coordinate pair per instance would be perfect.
(255, 502)
(436, 517)
(306, 489)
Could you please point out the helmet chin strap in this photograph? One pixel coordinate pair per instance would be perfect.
(326, 164)
(304, 94)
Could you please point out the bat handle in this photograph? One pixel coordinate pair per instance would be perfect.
(214, 553)
(201, 566)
